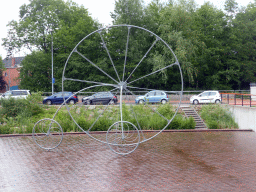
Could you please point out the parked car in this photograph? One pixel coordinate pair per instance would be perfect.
(58, 98)
(206, 97)
(153, 97)
(16, 94)
(100, 98)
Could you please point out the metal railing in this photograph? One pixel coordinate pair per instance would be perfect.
(238, 99)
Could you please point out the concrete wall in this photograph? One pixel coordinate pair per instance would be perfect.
(245, 117)
(253, 91)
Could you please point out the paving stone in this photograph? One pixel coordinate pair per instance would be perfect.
(172, 161)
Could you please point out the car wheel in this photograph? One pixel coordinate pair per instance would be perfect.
(48, 102)
(72, 102)
(141, 101)
(163, 101)
(111, 102)
(88, 102)
(195, 102)
(217, 101)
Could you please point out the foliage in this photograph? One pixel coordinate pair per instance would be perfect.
(42, 18)
(36, 70)
(1, 64)
(24, 107)
(217, 117)
(216, 48)
(2, 81)
(43, 22)
(23, 121)
(128, 12)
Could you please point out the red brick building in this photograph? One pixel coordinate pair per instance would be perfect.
(11, 73)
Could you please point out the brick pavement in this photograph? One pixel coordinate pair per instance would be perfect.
(174, 161)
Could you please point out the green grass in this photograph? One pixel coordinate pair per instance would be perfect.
(216, 117)
(28, 112)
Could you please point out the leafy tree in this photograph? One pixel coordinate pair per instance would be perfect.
(1, 64)
(36, 72)
(2, 81)
(42, 21)
(244, 49)
(231, 7)
(41, 18)
(216, 48)
(128, 12)
(210, 25)
(176, 25)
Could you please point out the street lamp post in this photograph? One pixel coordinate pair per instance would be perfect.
(52, 66)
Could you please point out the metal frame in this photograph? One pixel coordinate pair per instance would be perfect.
(121, 85)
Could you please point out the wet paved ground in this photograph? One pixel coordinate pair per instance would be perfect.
(176, 161)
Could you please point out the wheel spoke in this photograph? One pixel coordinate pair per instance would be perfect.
(95, 66)
(105, 46)
(135, 116)
(142, 59)
(93, 82)
(126, 51)
(153, 73)
(146, 89)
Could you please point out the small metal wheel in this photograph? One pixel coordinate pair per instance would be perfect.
(195, 102)
(47, 134)
(123, 137)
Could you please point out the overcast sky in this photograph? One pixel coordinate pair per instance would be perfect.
(99, 9)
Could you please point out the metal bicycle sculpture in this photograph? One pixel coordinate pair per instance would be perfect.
(122, 136)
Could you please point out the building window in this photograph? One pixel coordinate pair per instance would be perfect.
(5, 74)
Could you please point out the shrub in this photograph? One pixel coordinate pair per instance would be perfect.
(216, 117)
(20, 116)
(24, 107)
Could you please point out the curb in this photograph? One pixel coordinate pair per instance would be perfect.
(145, 131)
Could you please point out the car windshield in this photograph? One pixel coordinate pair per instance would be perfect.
(8, 93)
(58, 94)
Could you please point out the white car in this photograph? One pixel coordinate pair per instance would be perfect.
(206, 97)
(16, 94)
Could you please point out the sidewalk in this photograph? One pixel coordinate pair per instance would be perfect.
(173, 161)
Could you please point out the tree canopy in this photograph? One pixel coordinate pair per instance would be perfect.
(216, 48)
(2, 81)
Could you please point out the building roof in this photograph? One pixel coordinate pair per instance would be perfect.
(13, 62)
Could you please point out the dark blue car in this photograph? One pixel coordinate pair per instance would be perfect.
(58, 98)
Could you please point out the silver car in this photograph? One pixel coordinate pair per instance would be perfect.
(16, 94)
(206, 97)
